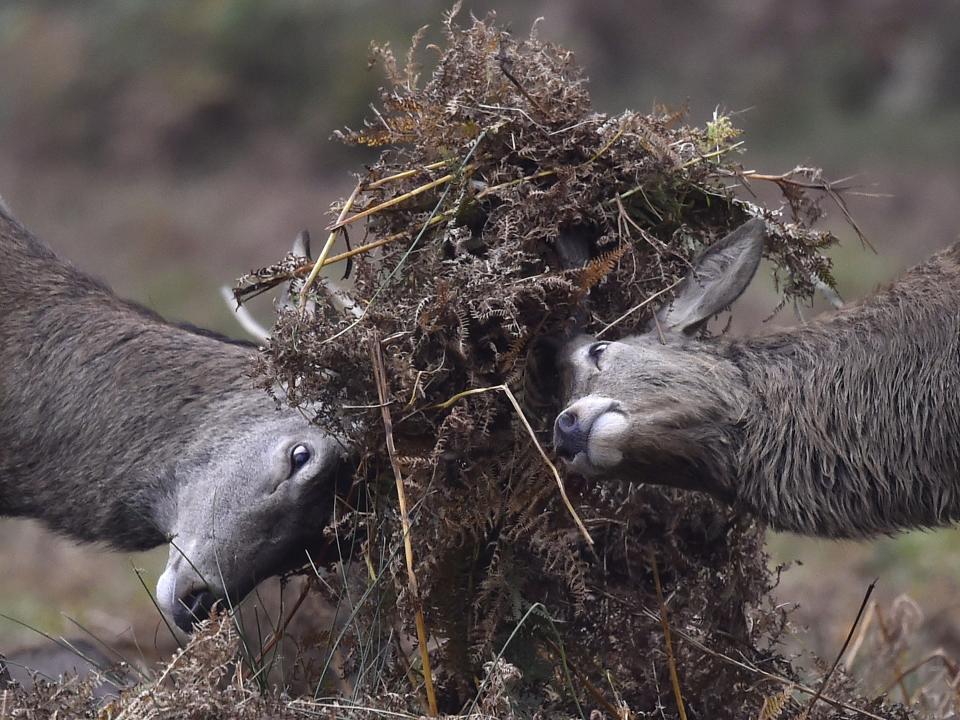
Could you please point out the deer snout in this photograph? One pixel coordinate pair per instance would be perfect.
(588, 434)
(193, 608)
(570, 435)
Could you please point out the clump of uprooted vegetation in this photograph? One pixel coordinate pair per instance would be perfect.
(503, 208)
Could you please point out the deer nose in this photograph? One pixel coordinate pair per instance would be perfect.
(193, 608)
(569, 435)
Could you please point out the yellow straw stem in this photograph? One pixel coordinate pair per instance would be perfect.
(331, 238)
(414, 588)
(397, 200)
(405, 174)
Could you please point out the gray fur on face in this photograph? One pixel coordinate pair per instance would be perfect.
(120, 428)
(845, 427)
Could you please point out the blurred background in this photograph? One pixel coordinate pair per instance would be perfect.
(170, 147)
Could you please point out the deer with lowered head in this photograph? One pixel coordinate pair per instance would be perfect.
(847, 426)
(120, 428)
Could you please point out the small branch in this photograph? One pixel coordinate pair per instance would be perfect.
(830, 189)
(719, 152)
(362, 249)
(665, 622)
(380, 376)
(505, 60)
(607, 145)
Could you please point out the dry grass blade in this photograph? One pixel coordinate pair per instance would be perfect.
(382, 390)
(826, 680)
(399, 199)
(363, 249)
(668, 641)
(635, 308)
(936, 655)
(279, 632)
(405, 174)
(533, 436)
(885, 634)
(760, 672)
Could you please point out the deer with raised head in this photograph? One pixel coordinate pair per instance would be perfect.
(120, 428)
(847, 426)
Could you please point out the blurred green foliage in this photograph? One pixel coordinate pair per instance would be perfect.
(209, 74)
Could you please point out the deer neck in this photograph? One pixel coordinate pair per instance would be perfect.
(852, 424)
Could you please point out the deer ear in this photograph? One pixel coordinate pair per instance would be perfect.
(718, 277)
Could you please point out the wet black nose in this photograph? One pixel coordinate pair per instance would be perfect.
(193, 608)
(569, 435)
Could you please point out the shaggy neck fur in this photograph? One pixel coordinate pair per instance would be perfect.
(851, 425)
(101, 400)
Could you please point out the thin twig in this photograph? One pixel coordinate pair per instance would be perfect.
(280, 631)
(646, 302)
(712, 154)
(885, 633)
(861, 635)
(533, 436)
(504, 61)
(591, 688)
(380, 376)
(830, 189)
(938, 654)
(843, 650)
(665, 622)
(434, 220)
(609, 144)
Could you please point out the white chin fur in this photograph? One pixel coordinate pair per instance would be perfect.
(167, 591)
(603, 445)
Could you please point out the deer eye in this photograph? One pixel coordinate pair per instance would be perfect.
(299, 456)
(595, 351)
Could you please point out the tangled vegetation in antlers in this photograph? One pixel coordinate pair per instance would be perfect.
(503, 207)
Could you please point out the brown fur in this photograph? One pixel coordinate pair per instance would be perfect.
(848, 426)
